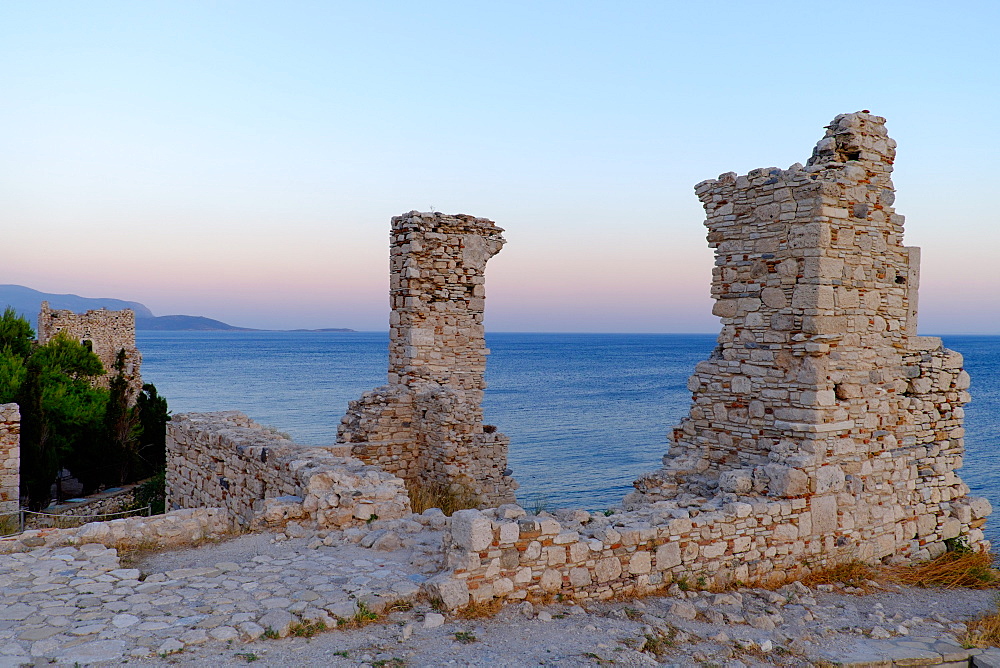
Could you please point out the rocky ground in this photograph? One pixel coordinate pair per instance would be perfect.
(262, 598)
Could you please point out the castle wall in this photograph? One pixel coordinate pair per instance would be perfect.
(426, 425)
(10, 458)
(106, 332)
(226, 460)
(822, 428)
(819, 387)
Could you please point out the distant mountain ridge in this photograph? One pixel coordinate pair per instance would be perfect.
(27, 303)
(187, 323)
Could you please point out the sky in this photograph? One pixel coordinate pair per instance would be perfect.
(242, 160)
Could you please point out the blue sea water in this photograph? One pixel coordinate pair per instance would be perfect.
(586, 413)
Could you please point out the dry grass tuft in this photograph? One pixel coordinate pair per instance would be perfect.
(983, 631)
(973, 570)
(849, 574)
(448, 498)
(480, 609)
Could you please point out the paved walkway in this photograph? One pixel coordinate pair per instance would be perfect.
(219, 603)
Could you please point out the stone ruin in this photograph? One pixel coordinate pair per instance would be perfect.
(104, 332)
(10, 459)
(823, 429)
(819, 388)
(426, 425)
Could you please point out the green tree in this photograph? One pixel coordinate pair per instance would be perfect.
(61, 415)
(16, 334)
(16, 343)
(153, 418)
(121, 425)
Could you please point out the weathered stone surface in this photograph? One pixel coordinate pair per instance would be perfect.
(426, 425)
(471, 530)
(105, 332)
(278, 620)
(452, 593)
(10, 458)
(822, 427)
(227, 460)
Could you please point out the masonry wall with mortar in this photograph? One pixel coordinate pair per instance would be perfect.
(10, 458)
(819, 387)
(106, 332)
(226, 460)
(426, 425)
(822, 428)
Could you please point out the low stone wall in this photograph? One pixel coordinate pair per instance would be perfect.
(504, 553)
(179, 527)
(105, 503)
(227, 460)
(10, 458)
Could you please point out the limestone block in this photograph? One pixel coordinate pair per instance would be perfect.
(533, 551)
(962, 380)
(502, 586)
(640, 563)
(551, 580)
(980, 507)
(773, 298)
(549, 526)
(823, 510)
(951, 528)
(607, 569)
(668, 555)
(471, 530)
(786, 481)
(579, 577)
(509, 532)
(828, 479)
(452, 593)
(725, 308)
(737, 481)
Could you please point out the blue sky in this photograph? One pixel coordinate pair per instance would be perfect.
(241, 160)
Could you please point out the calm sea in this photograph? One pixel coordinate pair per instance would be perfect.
(586, 413)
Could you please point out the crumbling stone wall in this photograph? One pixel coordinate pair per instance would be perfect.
(819, 387)
(822, 428)
(226, 460)
(426, 425)
(106, 332)
(10, 458)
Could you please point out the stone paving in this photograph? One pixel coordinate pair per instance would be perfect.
(79, 604)
(88, 605)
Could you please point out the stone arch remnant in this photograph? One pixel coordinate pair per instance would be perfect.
(819, 389)
(426, 425)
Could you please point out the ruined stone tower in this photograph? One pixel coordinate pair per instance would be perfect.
(426, 425)
(819, 388)
(104, 332)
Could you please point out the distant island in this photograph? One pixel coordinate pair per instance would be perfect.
(27, 302)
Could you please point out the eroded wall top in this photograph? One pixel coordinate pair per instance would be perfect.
(437, 294)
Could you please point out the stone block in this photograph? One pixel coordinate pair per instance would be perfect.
(551, 580)
(786, 481)
(579, 577)
(668, 555)
(823, 510)
(471, 530)
(980, 507)
(452, 593)
(640, 563)
(828, 479)
(607, 569)
(738, 481)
